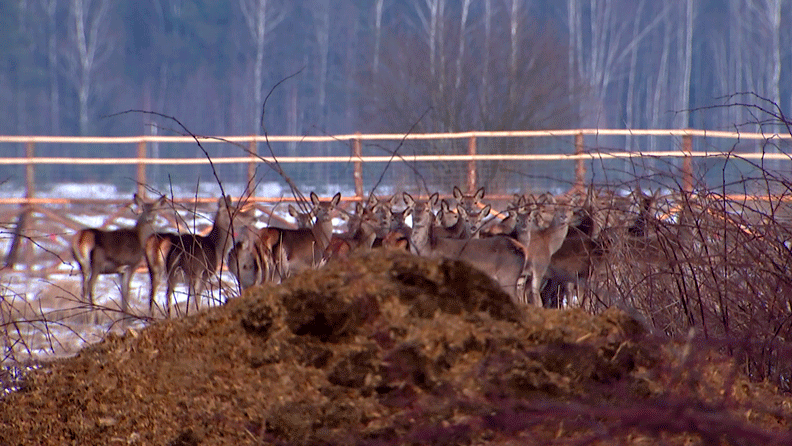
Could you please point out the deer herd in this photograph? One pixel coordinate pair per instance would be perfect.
(540, 249)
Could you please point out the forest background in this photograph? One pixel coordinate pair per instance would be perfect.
(67, 66)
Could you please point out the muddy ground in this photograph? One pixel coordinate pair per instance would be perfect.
(392, 349)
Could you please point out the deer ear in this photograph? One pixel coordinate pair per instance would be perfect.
(457, 193)
(336, 199)
(408, 199)
(433, 199)
(293, 211)
(479, 194)
(161, 201)
(486, 210)
(315, 199)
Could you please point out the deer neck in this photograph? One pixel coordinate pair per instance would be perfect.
(221, 232)
(144, 227)
(322, 231)
(421, 235)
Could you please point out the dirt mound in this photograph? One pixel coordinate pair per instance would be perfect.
(388, 348)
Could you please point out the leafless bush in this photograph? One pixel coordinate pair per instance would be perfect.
(715, 264)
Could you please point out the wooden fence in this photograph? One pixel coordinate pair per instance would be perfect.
(581, 152)
(580, 155)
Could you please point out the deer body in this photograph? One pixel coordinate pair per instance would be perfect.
(541, 242)
(192, 258)
(276, 253)
(120, 251)
(500, 257)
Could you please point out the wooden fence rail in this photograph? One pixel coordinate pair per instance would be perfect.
(250, 143)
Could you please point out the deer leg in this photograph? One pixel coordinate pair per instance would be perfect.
(196, 288)
(126, 279)
(154, 281)
(171, 284)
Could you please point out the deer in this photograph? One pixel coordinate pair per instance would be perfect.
(458, 222)
(191, 257)
(470, 202)
(363, 226)
(251, 262)
(393, 230)
(502, 258)
(299, 249)
(586, 245)
(304, 219)
(542, 227)
(119, 251)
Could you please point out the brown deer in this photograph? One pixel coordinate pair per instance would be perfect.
(304, 219)
(296, 250)
(500, 257)
(586, 245)
(470, 202)
(459, 223)
(190, 257)
(99, 251)
(363, 226)
(393, 230)
(542, 228)
(251, 262)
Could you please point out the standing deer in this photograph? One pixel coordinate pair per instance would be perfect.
(542, 231)
(114, 252)
(470, 202)
(363, 226)
(287, 250)
(500, 257)
(190, 257)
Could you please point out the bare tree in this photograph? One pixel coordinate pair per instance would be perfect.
(260, 19)
(485, 84)
(514, 21)
(378, 9)
(322, 31)
(50, 7)
(90, 46)
(685, 52)
(462, 28)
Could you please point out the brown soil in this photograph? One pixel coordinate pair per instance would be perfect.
(392, 349)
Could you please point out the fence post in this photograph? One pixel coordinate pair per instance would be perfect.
(357, 154)
(687, 163)
(253, 152)
(141, 168)
(30, 173)
(19, 250)
(471, 167)
(580, 165)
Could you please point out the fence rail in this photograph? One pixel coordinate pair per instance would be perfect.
(357, 159)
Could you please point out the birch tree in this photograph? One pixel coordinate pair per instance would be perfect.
(50, 8)
(485, 81)
(322, 31)
(260, 20)
(90, 45)
(514, 23)
(462, 36)
(378, 10)
(685, 51)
